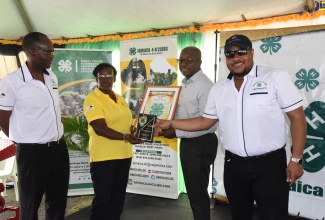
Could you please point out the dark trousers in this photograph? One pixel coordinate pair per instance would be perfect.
(43, 169)
(262, 180)
(197, 155)
(110, 179)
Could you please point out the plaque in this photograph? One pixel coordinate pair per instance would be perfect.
(145, 131)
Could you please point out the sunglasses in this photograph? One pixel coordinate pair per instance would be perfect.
(231, 54)
(188, 60)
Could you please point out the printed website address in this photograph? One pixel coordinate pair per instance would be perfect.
(152, 184)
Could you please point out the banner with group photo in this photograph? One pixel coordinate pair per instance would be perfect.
(74, 69)
(300, 55)
(150, 62)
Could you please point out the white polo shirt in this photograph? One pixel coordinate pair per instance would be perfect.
(36, 115)
(252, 120)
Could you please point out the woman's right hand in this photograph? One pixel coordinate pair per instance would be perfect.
(132, 139)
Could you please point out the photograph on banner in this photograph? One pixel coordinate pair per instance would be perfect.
(74, 70)
(146, 63)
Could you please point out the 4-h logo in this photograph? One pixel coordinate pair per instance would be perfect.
(271, 44)
(132, 51)
(143, 120)
(314, 152)
(65, 66)
(157, 109)
(307, 80)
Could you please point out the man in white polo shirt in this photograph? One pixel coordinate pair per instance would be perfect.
(250, 105)
(30, 116)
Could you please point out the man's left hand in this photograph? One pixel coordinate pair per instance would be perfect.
(294, 172)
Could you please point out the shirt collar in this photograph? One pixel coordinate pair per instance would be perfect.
(252, 73)
(27, 75)
(193, 78)
(100, 93)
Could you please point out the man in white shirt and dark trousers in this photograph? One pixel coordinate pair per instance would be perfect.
(197, 149)
(30, 116)
(250, 105)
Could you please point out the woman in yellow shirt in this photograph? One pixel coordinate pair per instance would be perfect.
(110, 144)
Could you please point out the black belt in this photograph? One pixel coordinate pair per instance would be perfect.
(48, 144)
(258, 156)
(199, 137)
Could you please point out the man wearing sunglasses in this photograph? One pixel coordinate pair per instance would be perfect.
(197, 149)
(250, 105)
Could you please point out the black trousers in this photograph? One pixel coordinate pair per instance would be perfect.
(43, 169)
(263, 180)
(197, 155)
(110, 179)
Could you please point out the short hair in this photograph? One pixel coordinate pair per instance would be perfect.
(194, 50)
(101, 66)
(31, 39)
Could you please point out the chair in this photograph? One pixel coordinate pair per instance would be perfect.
(8, 170)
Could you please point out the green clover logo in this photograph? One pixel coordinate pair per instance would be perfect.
(132, 51)
(307, 80)
(314, 152)
(271, 44)
(157, 109)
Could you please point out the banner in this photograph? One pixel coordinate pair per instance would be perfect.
(74, 69)
(301, 55)
(150, 61)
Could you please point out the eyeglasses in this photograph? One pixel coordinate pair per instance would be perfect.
(48, 52)
(187, 61)
(231, 54)
(104, 76)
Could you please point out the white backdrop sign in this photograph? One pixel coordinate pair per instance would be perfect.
(151, 62)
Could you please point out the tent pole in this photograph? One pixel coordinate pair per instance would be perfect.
(217, 32)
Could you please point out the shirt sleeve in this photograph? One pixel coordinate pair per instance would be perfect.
(210, 110)
(288, 95)
(7, 95)
(92, 109)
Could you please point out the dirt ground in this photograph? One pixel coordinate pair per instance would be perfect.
(74, 204)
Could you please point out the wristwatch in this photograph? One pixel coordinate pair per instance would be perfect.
(297, 160)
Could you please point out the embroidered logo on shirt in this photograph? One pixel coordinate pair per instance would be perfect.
(124, 104)
(2, 95)
(259, 85)
(54, 85)
(89, 108)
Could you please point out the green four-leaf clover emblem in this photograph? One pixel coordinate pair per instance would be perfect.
(157, 109)
(307, 80)
(271, 44)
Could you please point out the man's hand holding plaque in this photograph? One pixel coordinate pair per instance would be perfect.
(145, 130)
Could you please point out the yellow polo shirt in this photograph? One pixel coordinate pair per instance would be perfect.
(117, 116)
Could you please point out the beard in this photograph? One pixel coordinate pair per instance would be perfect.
(240, 75)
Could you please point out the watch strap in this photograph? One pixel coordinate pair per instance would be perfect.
(297, 160)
